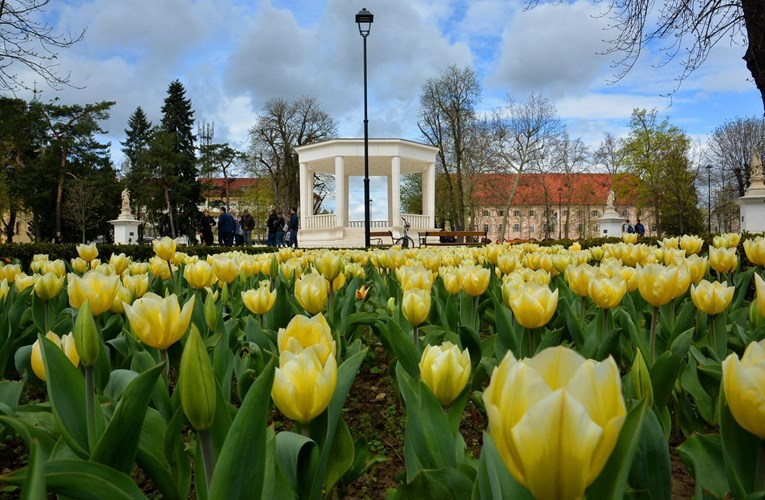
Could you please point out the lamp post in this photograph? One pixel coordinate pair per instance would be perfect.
(364, 19)
(560, 212)
(709, 198)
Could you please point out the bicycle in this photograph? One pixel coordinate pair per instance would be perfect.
(405, 241)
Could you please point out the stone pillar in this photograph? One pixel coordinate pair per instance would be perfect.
(341, 188)
(429, 193)
(752, 204)
(394, 196)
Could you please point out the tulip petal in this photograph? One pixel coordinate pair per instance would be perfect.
(556, 365)
(744, 393)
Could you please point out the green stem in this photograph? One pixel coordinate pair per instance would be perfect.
(652, 340)
(584, 310)
(759, 478)
(172, 277)
(416, 336)
(208, 455)
(90, 407)
(531, 333)
(47, 317)
(605, 321)
(166, 371)
(719, 335)
(474, 316)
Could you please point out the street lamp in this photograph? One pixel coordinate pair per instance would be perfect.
(364, 19)
(709, 198)
(560, 213)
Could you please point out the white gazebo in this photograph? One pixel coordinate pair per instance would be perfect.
(344, 158)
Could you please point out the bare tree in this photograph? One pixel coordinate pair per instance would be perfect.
(447, 121)
(692, 28)
(27, 41)
(278, 131)
(610, 154)
(523, 135)
(730, 149)
(82, 201)
(220, 159)
(569, 157)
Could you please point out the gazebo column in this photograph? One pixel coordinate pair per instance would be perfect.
(341, 190)
(394, 193)
(429, 193)
(306, 190)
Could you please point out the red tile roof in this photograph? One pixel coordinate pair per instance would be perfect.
(234, 183)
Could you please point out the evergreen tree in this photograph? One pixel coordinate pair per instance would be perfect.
(137, 170)
(182, 188)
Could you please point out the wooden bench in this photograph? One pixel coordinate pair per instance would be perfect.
(454, 237)
(376, 238)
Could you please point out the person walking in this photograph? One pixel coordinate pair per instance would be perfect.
(206, 223)
(280, 229)
(248, 224)
(292, 227)
(271, 223)
(226, 228)
(238, 233)
(640, 229)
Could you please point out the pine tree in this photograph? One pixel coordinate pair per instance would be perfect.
(137, 170)
(183, 189)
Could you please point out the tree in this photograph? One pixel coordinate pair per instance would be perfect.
(176, 155)
(656, 154)
(27, 41)
(280, 128)
(569, 157)
(137, 173)
(447, 121)
(523, 137)
(83, 199)
(220, 159)
(610, 154)
(680, 213)
(692, 28)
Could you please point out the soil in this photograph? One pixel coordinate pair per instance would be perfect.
(373, 412)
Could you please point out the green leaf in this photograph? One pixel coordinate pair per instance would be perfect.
(10, 391)
(82, 480)
(118, 444)
(612, 480)
(151, 459)
(703, 456)
(740, 450)
(297, 457)
(66, 391)
(407, 353)
(240, 469)
(667, 368)
(437, 483)
(342, 453)
(34, 486)
(651, 470)
(494, 481)
(29, 433)
(507, 339)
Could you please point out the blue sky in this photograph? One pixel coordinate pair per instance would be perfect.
(234, 55)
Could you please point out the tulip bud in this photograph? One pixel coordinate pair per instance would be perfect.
(303, 386)
(755, 316)
(641, 379)
(743, 384)
(415, 305)
(86, 337)
(391, 305)
(164, 248)
(197, 383)
(445, 370)
(755, 250)
(211, 312)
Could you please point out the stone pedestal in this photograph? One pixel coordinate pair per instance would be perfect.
(610, 224)
(125, 225)
(752, 204)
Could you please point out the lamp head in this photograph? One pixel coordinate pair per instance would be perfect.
(364, 19)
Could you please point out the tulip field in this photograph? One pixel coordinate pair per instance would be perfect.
(517, 371)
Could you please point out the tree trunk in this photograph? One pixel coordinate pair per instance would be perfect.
(60, 195)
(170, 212)
(754, 18)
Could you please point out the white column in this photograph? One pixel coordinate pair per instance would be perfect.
(394, 193)
(429, 193)
(305, 192)
(341, 188)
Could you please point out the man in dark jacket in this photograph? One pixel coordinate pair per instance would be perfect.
(292, 227)
(226, 228)
(271, 225)
(248, 224)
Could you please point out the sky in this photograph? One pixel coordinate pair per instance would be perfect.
(234, 55)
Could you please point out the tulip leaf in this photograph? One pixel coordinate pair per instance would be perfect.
(740, 449)
(470, 339)
(573, 325)
(703, 456)
(223, 364)
(494, 480)
(151, 459)
(34, 486)
(342, 456)
(29, 433)
(668, 367)
(741, 281)
(10, 391)
(82, 479)
(612, 480)
(118, 444)
(143, 361)
(297, 457)
(701, 399)
(40, 314)
(174, 449)
(241, 465)
(507, 338)
(651, 469)
(436, 483)
(66, 391)
(408, 355)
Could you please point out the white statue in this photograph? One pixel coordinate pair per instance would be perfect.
(756, 167)
(125, 201)
(610, 200)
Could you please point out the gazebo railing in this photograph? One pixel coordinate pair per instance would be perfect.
(418, 221)
(323, 221)
(326, 221)
(374, 224)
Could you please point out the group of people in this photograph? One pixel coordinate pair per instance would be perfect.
(627, 228)
(281, 232)
(232, 230)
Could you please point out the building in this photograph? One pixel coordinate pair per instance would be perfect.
(549, 206)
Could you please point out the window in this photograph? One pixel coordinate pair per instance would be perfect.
(516, 213)
(565, 212)
(580, 212)
(485, 213)
(501, 213)
(516, 228)
(532, 213)
(486, 228)
(531, 229)
(624, 213)
(595, 213)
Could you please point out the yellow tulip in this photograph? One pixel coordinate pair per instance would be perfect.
(534, 305)
(22, 281)
(451, 278)
(415, 305)
(579, 277)
(744, 386)
(199, 275)
(507, 262)
(630, 238)
(560, 262)
(122, 297)
(723, 260)
(65, 343)
(311, 292)
(416, 276)
(259, 300)
(95, 287)
(303, 385)
(48, 286)
(119, 262)
(512, 285)
(338, 282)
(755, 250)
(667, 243)
(329, 264)
(759, 285)
(629, 275)
(657, 283)
(575, 246)
(57, 267)
(196, 383)
(445, 370)
(225, 269)
(475, 280)
(87, 252)
(362, 292)
(138, 284)
(159, 322)
(691, 244)
(607, 292)
(164, 248)
(596, 253)
(4, 289)
(732, 239)
(711, 298)
(431, 260)
(555, 419)
(303, 332)
(697, 267)
(137, 268)
(158, 268)
(9, 272)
